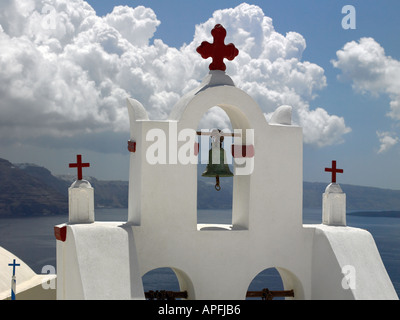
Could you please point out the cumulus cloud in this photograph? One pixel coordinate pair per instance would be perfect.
(371, 70)
(137, 25)
(366, 64)
(386, 140)
(322, 129)
(66, 72)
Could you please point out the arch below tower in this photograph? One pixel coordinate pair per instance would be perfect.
(289, 281)
(170, 278)
(268, 278)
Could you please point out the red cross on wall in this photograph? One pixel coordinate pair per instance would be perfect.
(79, 165)
(334, 170)
(218, 50)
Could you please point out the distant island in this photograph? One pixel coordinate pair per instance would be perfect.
(32, 190)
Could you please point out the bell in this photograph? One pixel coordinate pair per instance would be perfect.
(217, 170)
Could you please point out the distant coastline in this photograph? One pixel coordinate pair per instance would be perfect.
(388, 214)
(28, 190)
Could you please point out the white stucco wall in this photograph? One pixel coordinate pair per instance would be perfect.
(98, 261)
(348, 255)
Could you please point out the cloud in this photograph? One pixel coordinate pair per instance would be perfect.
(371, 70)
(66, 72)
(322, 129)
(135, 25)
(366, 64)
(386, 140)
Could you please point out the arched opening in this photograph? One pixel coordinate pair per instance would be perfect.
(276, 284)
(268, 278)
(214, 207)
(160, 279)
(244, 115)
(170, 280)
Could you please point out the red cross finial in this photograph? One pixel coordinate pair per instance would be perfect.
(217, 50)
(334, 170)
(79, 165)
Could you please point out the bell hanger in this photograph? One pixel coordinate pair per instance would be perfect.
(220, 168)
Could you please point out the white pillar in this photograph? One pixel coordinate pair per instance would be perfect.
(334, 206)
(81, 202)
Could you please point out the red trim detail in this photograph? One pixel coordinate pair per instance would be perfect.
(60, 233)
(196, 148)
(243, 151)
(132, 146)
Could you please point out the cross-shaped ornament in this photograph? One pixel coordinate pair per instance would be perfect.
(79, 165)
(13, 280)
(14, 265)
(218, 50)
(334, 170)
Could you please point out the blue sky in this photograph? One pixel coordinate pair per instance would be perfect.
(362, 103)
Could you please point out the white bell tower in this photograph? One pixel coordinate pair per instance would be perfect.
(219, 261)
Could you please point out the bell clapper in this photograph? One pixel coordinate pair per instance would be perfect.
(217, 186)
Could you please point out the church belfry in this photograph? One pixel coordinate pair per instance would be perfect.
(267, 229)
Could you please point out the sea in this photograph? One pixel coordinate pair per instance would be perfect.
(32, 240)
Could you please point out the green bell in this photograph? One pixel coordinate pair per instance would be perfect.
(216, 169)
